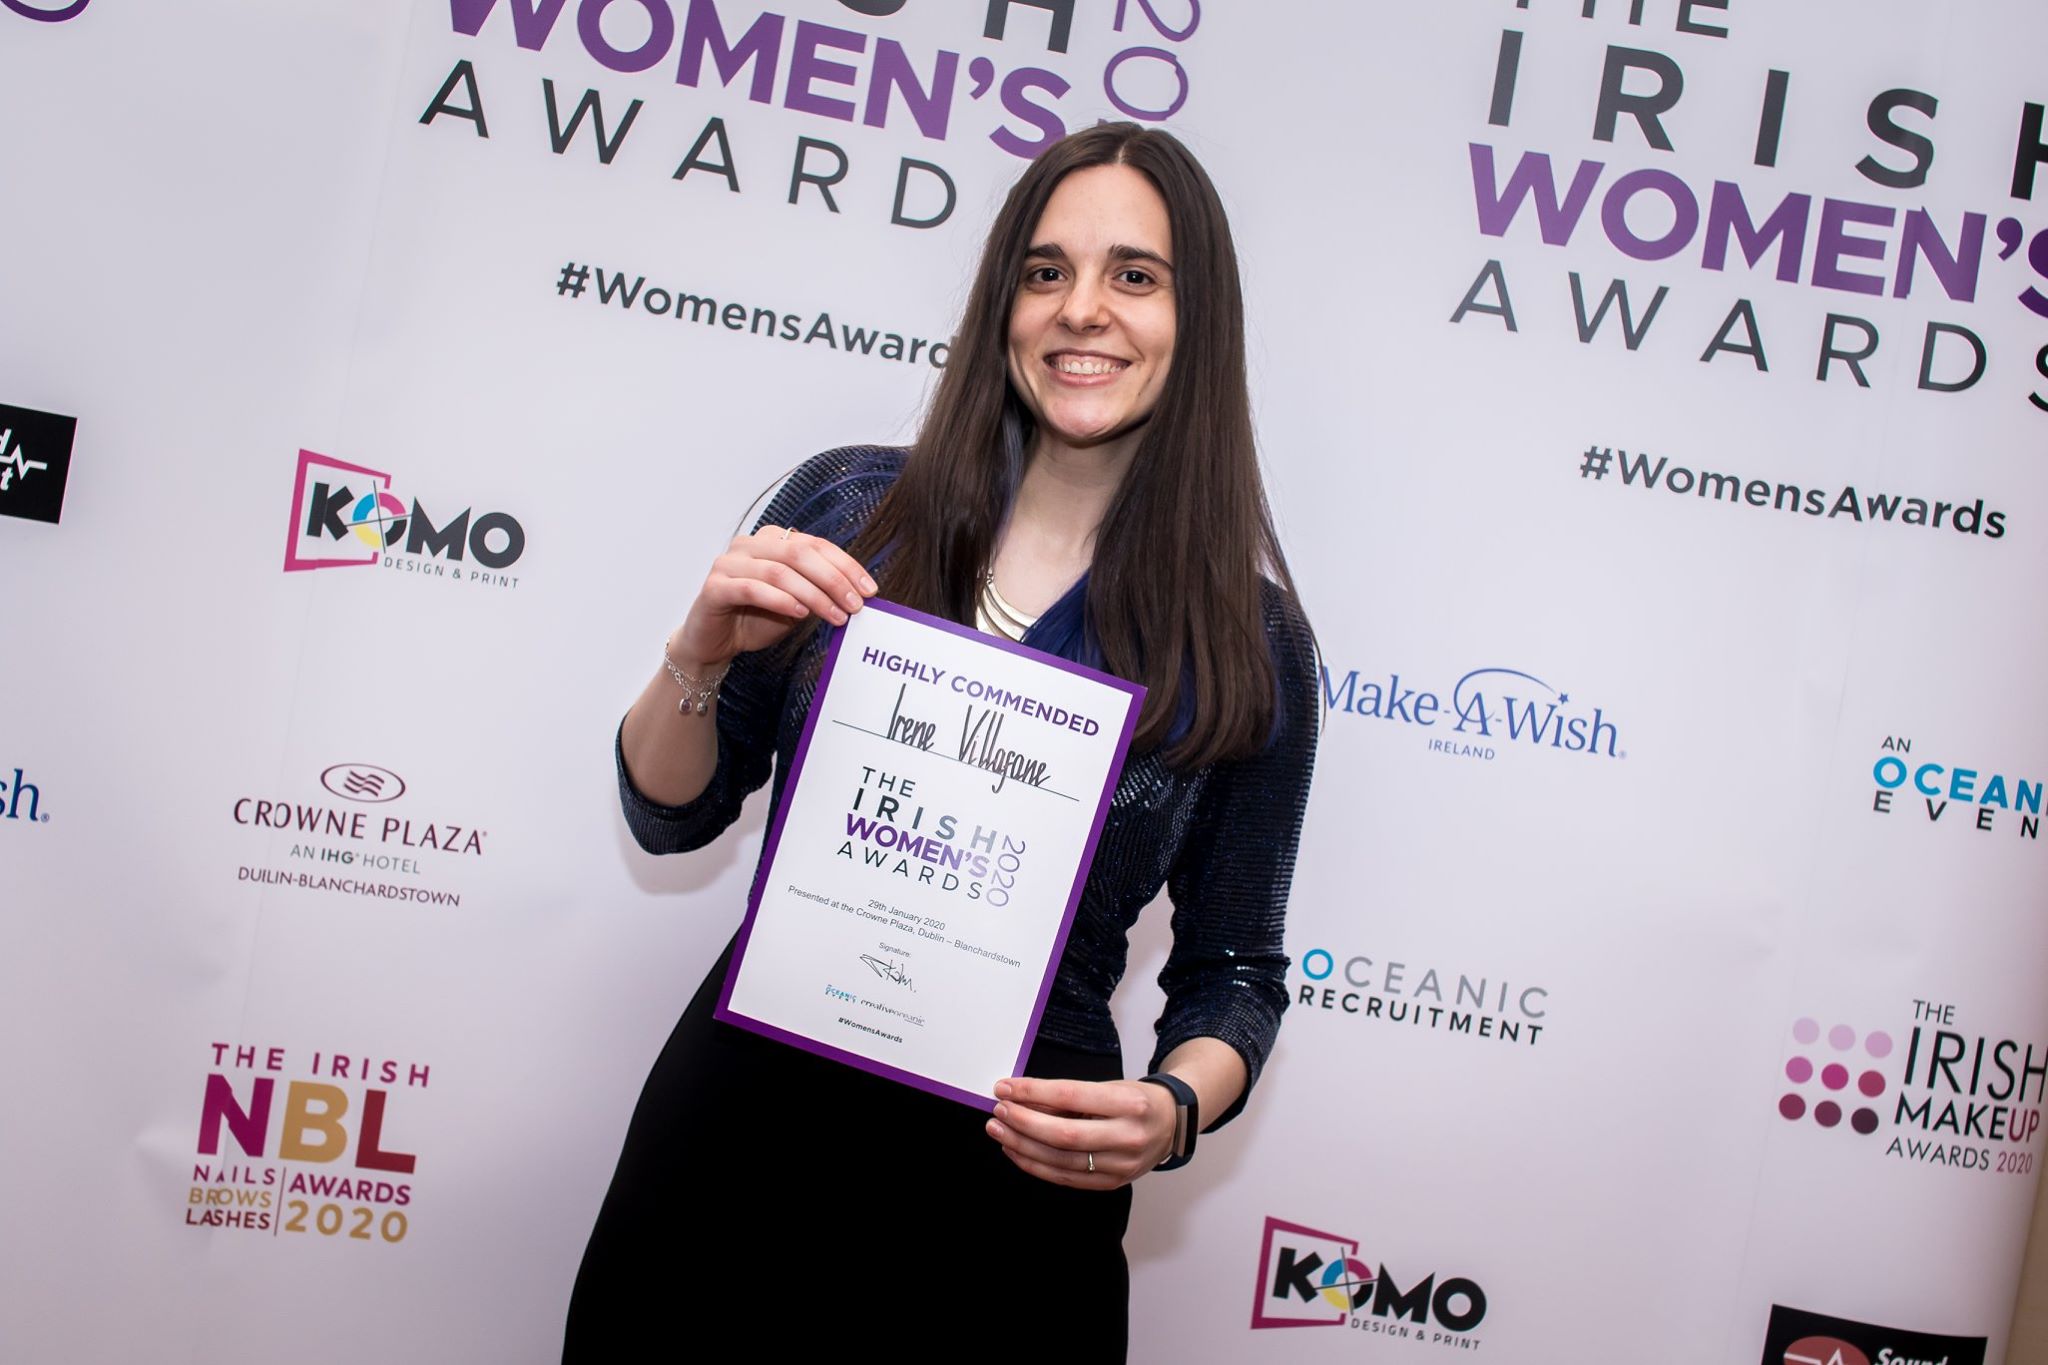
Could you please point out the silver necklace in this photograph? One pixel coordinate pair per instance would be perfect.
(1008, 622)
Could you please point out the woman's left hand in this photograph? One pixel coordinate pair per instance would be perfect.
(1053, 1128)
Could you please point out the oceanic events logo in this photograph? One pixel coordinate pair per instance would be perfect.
(345, 516)
(14, 794)
(357, 838)
(1963, 1100)
(1400, 993)
(324, 1162)
(1795, 1336)
(1487, 709)
(1671, 209)
(1983, 793)
(35, 462)
(1308, 1278)
(691, 61)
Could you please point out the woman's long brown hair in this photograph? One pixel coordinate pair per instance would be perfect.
(1173, 599)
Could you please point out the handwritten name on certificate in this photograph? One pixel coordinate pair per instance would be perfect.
(923, 870)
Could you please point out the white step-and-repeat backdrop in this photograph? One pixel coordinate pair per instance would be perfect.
(1653, 393)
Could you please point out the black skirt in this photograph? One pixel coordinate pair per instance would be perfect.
(794, 1199)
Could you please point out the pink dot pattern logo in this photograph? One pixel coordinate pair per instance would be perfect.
(1827, 1074)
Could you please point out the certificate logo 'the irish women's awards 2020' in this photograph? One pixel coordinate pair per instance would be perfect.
(346, 516)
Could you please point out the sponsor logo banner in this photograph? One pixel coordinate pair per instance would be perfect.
(35, 462)
(346, 516)
(1309, 1278)
(1797, 1337)
(296, 1141)
(356, 839)
(1935, 1093)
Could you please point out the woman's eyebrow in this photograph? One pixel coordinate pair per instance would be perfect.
(1053, 251)
(1120, 252)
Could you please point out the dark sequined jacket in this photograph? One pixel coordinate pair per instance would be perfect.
(1220, 839)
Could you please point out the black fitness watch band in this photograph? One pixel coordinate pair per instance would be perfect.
(1187, 1120)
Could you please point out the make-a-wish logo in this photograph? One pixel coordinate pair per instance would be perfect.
(1486, 709)
(1320, 1279)
(346, 516)
(21, 799)
(1797, 1337)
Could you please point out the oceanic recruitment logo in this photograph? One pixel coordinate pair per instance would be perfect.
(1486, 708)
(1419, 996)
(35, 462)
(346, 516)
(1320, 1279)
(1797, 1337)
(1920, 783)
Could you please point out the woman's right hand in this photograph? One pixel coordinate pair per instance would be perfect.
(763, 586)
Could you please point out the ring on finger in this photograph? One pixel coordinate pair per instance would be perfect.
(788, 531)
(1091, 1163)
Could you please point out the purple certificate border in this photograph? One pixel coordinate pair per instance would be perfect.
(724, 1010)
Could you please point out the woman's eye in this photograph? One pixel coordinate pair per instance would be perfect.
(1135, 277)
(1042, 274)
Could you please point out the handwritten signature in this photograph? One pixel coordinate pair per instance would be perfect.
(888, 970)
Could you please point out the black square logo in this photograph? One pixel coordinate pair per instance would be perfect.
(35, 460)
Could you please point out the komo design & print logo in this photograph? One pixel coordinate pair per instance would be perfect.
(1485, 710)
(1309, 1278)
(345, 516)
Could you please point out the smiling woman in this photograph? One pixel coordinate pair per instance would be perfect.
(1085, 482)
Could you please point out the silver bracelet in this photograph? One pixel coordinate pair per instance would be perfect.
(697, 692)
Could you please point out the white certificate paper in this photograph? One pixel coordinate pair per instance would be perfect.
(923, 869)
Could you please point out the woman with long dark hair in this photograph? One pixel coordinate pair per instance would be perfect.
(1086, 481)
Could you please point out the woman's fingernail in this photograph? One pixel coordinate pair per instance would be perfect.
(868, 584)
(1002, 1111)
(853, 600)
(995, 1130)
(1002, 1090)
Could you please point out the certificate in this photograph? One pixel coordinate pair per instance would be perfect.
(922, 872)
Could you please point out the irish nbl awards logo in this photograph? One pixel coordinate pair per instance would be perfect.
(1987, 797)
(35, 461)
(296, 1141)
(1484, 713)
(356, 837)
(1309, 1278)
(1935, 1092)
(347, 516)
(1797, 1337)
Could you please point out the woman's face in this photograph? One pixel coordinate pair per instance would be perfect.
(1092, 321)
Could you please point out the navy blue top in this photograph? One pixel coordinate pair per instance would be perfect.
(1220, 839)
